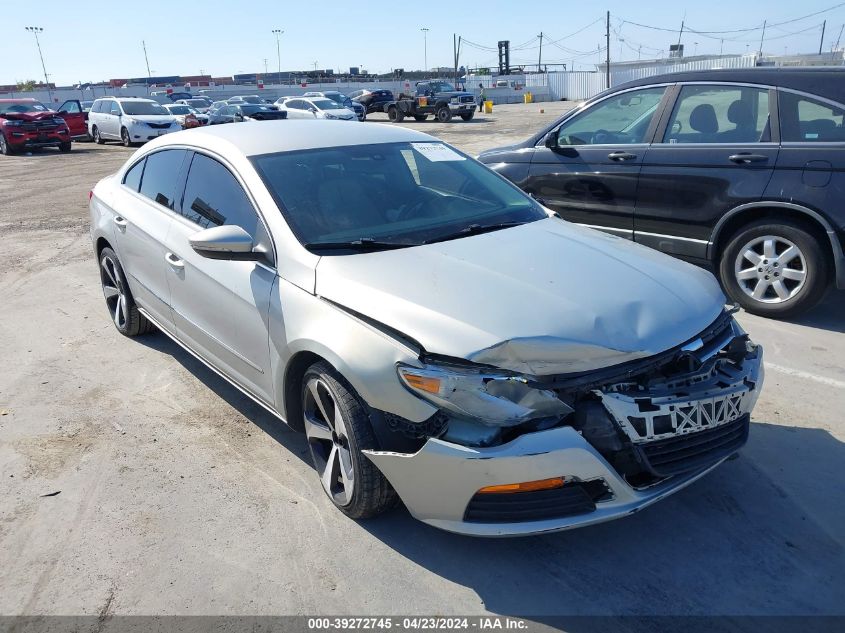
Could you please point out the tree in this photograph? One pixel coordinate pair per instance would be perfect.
(27, 86)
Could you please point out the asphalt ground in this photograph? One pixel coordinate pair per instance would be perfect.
(178, 495)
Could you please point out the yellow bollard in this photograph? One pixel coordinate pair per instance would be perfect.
(488, 107)
(528, 97)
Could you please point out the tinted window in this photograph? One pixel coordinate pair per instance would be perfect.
(296, 104)
(132, 179)
(161, 175)
(143, 107)
(214, 197)
(621, 119)
(115, 108)
(97, 106)
(719, 114)
(807, 120)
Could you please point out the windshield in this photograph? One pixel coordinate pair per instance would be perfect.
(179, 109)
(252, 109)
(29, 106)
(396, 193)
(442, 86)
(251, 99)
(326, 104)
(142, 107)
(337, 97)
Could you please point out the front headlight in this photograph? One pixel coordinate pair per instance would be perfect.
(133, 122)
(487, 396)
(454, 100)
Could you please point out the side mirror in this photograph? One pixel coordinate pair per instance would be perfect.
(551, 140)
(63, 112)
(228, 242)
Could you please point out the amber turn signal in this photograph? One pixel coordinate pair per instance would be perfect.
(526, 486)
(423, 383)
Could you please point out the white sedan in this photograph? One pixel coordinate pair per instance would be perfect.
(316, 108)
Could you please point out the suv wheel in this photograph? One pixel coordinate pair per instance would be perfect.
(774, 269)
(443, 114)
(467, 116)
(124, 313)
(65, 147)
(124, 137)
(95, 133)
(5, 147)
(338, 428)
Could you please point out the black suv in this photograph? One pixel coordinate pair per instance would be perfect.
(740, 170)
(373, 101)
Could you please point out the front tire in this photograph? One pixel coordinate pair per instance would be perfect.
(124, 313)
(774, 269)
(64, 147)
(5, 147)
(468, 116)
(443, 114)
(124, 137)
(338, 429)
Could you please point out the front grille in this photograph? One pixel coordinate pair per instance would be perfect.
(467, 99)
(159, 126)
(569, 500)
(685, 453)
(39, 126)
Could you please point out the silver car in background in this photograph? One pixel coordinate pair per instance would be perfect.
(438, 335)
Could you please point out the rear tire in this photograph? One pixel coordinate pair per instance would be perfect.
(338, 429)
(774, 268)
(64, 147)
(395, 114)
(95, 134)
(124, 313)
(443, 114)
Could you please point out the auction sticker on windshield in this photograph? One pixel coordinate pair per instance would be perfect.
(436, 152)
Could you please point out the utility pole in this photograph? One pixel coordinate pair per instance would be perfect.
(147, 61)
(721, 46)
(680, 33)
(540, 57)
(762, 37)
(821, 41)
(35, 30)
(277, 33)
(607, 51)
(265, 67)
(425, 50)
(840, 36)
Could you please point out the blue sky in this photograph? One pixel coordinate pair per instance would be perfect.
(95, 41)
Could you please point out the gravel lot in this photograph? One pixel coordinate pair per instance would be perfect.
(180, 496)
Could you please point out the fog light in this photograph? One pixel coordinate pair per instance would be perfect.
(526, 486)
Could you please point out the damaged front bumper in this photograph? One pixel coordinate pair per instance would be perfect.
(439, 482)
(629, 443)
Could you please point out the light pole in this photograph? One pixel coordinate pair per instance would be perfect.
(278, 33)
(35, 30)
(425, 49)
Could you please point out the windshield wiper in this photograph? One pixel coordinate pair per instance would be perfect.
(361, 244)
(473, 229)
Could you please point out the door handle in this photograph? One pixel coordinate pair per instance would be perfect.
(620, 156)
(121, 223)
(174, 261)
(745, 158)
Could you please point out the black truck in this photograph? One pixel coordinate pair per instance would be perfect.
(432, 97)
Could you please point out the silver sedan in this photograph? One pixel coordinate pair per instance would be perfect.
(439, 336)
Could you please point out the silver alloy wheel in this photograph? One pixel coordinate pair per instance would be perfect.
(113, 291)
(328, 441)
(770, 269)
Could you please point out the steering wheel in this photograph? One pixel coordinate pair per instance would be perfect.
(600, 136)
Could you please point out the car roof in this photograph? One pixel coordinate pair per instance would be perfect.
(823, 81)
(289, 135)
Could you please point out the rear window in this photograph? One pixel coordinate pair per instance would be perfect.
(807, 120)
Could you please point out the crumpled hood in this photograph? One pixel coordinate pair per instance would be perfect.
(542, 298)
(30, 116)
(153, 118)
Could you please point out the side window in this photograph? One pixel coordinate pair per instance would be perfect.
(115, 108)
(806, 120)
(296, 104)
(132, 179)
(161, 176)
(720, 114)
(97, 107)
(71, 107)
(621, 119)
(214, 197)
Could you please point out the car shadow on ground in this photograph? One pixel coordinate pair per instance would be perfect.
(758, 536)
(291, 440)
(828, 315)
